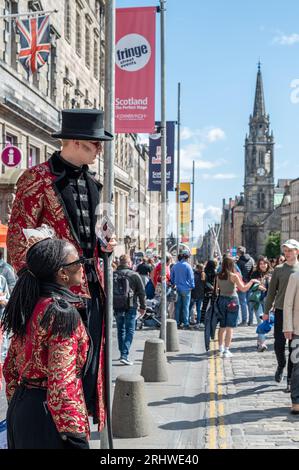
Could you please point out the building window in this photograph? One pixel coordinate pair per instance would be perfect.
(78, 33)
(87, 46)
(10, 37)
(33, 156)
(76, 102)
(261, 158)
(11, 139)
(53, 71)
(67, 20)
(87, 101)
(96, 56)
(102, 66)
(260, 200)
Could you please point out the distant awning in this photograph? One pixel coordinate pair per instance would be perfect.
(3, 235)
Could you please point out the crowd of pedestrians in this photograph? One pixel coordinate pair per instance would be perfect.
(245, 292)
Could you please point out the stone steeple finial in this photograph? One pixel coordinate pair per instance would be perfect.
(259, 102)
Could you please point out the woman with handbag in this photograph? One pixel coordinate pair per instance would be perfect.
(228, 282)
(257, 295)
(48, 353)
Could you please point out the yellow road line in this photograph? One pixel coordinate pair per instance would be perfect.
(221, 428)
(216, 393)
(212, 427)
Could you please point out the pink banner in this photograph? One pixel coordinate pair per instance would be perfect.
(135, 70)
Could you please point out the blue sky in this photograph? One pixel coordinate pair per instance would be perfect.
(212, 48)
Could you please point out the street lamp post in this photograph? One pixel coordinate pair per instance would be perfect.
(163, 177)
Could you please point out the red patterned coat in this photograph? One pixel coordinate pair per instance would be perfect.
(58, 362)
(44, 197)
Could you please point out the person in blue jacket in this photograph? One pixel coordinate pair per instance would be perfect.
(182, 277)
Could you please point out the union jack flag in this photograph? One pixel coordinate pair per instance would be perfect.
(35, 42)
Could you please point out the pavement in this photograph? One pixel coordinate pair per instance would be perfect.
(210, 402)
(253, 410)
(172, 404)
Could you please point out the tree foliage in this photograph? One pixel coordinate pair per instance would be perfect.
(272, 248)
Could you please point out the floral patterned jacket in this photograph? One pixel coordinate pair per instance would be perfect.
(55, 363)
(44, 197)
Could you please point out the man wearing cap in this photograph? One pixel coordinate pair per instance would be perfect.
(182, 277)
(64, 194)
(276, 296)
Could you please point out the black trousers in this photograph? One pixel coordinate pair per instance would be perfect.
(204, 307)
(93, 320)
(29, 422)
(280, 343)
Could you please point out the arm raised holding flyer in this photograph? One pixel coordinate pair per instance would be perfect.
(105, 232)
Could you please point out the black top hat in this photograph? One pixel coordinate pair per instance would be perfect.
(83, 124)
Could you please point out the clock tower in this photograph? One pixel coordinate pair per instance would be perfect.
(259, 177)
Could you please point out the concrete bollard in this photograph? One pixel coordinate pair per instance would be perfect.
(130, 416)
(154, 364)
(172, 338)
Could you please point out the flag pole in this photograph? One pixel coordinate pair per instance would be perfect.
(28, 13)
(178, 229)
(163, 177)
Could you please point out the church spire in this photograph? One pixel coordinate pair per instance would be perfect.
(259, 102)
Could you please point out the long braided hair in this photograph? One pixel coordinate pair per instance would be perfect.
(43, 260)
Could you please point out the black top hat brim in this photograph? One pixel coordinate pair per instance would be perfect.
(74, 136)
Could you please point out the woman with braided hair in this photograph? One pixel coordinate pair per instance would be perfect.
(49, 351)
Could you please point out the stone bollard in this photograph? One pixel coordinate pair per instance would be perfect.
(154, 364)
(130, 416)
(172, 338)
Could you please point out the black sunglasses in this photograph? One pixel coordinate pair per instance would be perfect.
(82, 260)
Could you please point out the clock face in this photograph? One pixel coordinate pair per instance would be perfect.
(261, 171)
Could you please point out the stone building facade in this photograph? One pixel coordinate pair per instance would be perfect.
(73, 77)
(290, 211)
(232, 219)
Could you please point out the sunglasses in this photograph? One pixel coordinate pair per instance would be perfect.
(80, 261)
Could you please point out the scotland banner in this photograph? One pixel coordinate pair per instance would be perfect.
(154, 179)
(135, 37)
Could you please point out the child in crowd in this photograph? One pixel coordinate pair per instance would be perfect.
(257, 295)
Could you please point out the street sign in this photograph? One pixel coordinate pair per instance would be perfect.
(11, 156)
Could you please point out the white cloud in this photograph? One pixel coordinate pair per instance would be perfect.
(197, 141)
(285, 40)
(207, 134)
(205, 216)
(186, 133)
(212, 213)
(219, 176)
(215, 134)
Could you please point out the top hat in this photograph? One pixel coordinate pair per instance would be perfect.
(83, 124)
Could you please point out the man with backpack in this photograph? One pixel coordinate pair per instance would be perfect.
(128, 288)
(245, 264)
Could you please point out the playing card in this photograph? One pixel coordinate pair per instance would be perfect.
(104, 230)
